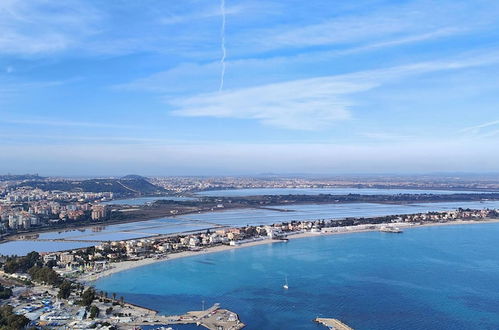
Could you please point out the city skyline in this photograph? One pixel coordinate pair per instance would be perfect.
(94, 88)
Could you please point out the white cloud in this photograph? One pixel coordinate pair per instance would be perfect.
(302, 104)
(400, 21)
(309, 104)
(182, 78)
(484, 130)
(203, 14)
(479, 127)
(35, 27)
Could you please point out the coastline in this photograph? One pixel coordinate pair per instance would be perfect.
(131, 264)
(154, 216)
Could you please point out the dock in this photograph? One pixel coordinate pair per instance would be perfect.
(213, 318)
(333, 323)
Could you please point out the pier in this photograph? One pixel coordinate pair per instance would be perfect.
(333, 323)
(213, 318)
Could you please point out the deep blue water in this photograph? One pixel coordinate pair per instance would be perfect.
(426, 278)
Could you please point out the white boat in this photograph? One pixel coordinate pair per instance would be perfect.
(285, 286)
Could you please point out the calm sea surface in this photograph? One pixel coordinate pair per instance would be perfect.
(426, 278)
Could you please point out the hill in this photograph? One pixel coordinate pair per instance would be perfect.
(125, 187)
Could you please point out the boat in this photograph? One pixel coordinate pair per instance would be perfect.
(285, 286)
(390, 229)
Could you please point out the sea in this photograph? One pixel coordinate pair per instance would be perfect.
(440, 277)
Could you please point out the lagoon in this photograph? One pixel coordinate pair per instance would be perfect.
(318, 191)
(236, 217)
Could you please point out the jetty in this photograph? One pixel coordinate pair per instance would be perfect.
(213, 318)
(333, 324)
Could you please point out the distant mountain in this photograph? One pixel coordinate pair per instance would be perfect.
(129, 186)
(20, 177)
(133, 177)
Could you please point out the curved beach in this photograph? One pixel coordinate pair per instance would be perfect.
(117, 267)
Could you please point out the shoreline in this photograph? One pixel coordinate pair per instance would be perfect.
(152, 216)
(122, 266)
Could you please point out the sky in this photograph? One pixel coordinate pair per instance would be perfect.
(228, 87)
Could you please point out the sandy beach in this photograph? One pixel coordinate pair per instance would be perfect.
(126, 265)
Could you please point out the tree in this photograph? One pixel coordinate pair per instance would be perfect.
(94, 311)
(64, 290)
(11, 321)
(51, 263)
(44, 275)
(5, 292)
(87, 297)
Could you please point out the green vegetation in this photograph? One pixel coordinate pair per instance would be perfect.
(44, 275)
(64, 290)
(5, 292)
(87, 297)
(125, 186)
(94, 311)
(22, 264)
(11, 321)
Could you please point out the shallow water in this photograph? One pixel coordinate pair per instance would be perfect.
(317, 191)
(238, 217)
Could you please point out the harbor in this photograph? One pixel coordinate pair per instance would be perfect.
(213, 318)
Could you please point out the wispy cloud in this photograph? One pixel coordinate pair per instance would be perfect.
(378, 26)
(37, 27)
(309, 104)
(484, 130)
(303, 104)
(479, 127)
(211, 12)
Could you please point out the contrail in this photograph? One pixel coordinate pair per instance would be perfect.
(224, 51)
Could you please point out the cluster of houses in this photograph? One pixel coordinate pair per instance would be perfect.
(24, 208)
(97, 258)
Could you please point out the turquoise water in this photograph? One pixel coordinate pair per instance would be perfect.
(426, 278)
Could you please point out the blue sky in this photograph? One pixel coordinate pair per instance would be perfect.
(113, 87)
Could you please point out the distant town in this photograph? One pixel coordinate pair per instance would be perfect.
(29, 203)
